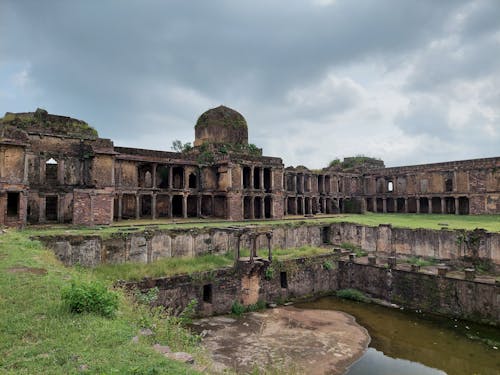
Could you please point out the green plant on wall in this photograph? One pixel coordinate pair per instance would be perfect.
(327, 265)
(269, 274)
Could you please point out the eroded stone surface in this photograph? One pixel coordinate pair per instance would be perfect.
(319, 341)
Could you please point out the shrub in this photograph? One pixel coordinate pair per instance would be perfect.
(237, 308)
(352, 294)
(90, 297)
(269, 273)
(327, 265)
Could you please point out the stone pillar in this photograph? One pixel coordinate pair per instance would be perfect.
(137, 206)
(271, 176)
(384, 205)
(443, 205)
(406, 205)
(170, 180)
(303, 206)
(269, 235)
(184, 206)
(120, 206)
(417, 201)
(251, 177)
(296, 206)
(261, 179)
(153, 206)
(262, 208)
(252, 208)
(430, 204)
(457, 211)
(198, 206)
(153, 175)
(294, 183)
(394, 185)
(170, 210)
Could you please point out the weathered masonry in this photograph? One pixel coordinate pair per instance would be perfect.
(57, 169)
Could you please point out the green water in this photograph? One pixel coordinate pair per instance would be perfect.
(407, 343)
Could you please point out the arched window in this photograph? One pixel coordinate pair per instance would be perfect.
(51, 171)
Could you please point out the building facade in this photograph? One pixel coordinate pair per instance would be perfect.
(57, 169)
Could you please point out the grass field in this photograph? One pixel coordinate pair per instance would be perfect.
(469, 222)
(38, 335)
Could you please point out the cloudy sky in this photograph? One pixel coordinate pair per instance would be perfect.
(406, 81)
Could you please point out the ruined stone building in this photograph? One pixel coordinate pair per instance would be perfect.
(57, 169)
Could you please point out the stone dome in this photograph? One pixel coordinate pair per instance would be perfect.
(221, 125)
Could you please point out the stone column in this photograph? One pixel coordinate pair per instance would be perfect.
(261, 179)
(430, 204)
(417, 201)
(296, 206)
(184, 206)
(153, 175)
(120, 206)
(285, 206)
(269, 235)
(198, 207)
(271, 176)
(394, 185)
(252, 208)
(443, 205)
(406, 205)
(153, 206)
(384, 205)
(170, 209)
(251, 177)
(457, 210)
(137, 206)
(262, 208)
(170, 180)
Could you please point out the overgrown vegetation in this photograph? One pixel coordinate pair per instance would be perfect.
(238, 308)
(39, 335)
(90, 297)
(421, 261)
(354, 249)
(355, 161)
(353, 294)
(178, 146)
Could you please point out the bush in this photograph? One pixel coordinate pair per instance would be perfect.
(91, 297)
(269, 274)
(237, 308)
(327, 265)
(352, 294)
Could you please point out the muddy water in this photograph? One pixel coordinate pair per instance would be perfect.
(414, 344)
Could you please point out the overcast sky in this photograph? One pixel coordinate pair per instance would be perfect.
(406, 81)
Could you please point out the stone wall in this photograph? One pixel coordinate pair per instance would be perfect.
(249, 283)
(150, 245)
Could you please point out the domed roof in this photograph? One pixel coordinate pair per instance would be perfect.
(222, 116)
(221, 125)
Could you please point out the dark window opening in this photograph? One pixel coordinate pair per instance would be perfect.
(193, 183)
(267, 207)
(51, 208)
(448, 185)
(290, 186)
(247, 207)
(220, 206)
(424, 205)
(145, 179)
(51, 172)
(178, 178)
(207, 293)
(390, 205)
(162, 205)
(256, 178)
(325, 235)
(246, 177)
(206, 206)
(146, 206)
(192, 206)
(177, 206)
(257, 204)
(162, 177)
(400, 203)
(128, 206)
(463, 206)
(283, 280)
(13, 204)
(267, 179)
(327, 184)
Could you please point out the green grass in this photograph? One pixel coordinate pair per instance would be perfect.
(469, 222)
(39, 335)
(421, 261)
(354, 249)
(353, 294)
(162, 267)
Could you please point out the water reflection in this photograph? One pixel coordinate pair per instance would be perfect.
(407, 342)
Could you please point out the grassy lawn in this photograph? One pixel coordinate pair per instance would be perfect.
(38, 335)
(488, 222)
